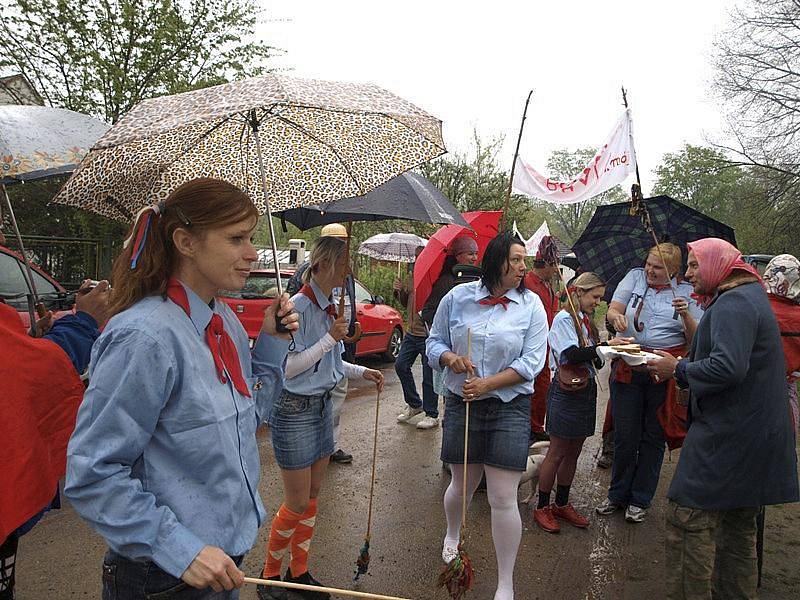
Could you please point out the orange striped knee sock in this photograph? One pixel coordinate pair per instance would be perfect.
(301, 540)
(280, 535)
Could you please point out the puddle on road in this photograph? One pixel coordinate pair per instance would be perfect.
(602, 560)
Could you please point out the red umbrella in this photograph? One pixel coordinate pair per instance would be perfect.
(485, 225)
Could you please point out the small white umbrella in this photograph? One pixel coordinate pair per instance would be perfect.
(400, 247)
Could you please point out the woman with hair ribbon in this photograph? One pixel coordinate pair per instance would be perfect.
(301, 420)
(164, 462)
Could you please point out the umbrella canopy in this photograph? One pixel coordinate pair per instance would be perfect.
(321, 141)
(400, 247)
(485, 226)
(615, 242)
(408, 196)
(40, 141)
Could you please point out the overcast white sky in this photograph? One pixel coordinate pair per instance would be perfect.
(472, 64)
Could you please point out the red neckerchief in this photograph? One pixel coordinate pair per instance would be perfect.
(586, 322)
(492, 301)
(223, 350)
(659, 287)
(308, 292)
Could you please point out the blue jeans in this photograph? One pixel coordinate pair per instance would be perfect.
(411, 347)
(126, 579)
(638, 440)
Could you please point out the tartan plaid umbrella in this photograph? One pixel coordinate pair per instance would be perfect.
(614, 242)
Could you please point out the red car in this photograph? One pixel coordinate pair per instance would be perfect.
(381, 325)
(14, 289)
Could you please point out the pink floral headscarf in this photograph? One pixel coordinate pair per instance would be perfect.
(717, 259)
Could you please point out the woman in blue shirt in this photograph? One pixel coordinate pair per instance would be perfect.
(644, 307)
(301, 420)
(571, 414)
(163, 462)
(507, 325)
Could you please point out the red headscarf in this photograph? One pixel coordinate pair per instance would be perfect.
(716, 259)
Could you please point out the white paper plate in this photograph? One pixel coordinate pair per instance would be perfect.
(632, 359)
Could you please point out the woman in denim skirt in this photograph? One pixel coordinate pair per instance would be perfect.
(301, 420)
(571, 415)
(494, 372)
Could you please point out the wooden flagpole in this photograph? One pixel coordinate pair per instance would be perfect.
(504, 220)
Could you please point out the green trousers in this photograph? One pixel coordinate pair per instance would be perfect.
(711, 554)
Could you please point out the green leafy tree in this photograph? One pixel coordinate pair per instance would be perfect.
(101, 57)
(740, 196)
(703, 178)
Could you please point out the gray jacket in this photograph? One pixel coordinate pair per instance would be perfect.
(740, 447)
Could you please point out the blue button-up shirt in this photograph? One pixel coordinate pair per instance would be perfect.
(563, 336)
(323, 375)
(515, 337)
(662, 326)
(164, 460)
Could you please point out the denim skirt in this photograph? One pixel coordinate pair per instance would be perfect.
(302, 429)
(498, 431)
(571, 415)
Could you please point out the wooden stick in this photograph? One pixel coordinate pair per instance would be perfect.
(513, 164)
(374, 463)
(466, 447)
(319, 588)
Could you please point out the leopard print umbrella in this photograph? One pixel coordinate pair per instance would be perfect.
(321, 141)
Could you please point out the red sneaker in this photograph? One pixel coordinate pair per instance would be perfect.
(570, 515)
(544, 518)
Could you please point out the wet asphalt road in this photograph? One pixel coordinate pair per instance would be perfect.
(60, 558)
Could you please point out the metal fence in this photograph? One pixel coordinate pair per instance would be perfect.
(69, 260)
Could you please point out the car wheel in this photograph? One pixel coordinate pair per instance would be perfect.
(393, 349)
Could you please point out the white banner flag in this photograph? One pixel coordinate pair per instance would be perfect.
(532, 244)
(612, 163)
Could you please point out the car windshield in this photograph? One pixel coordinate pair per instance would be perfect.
(259, 285)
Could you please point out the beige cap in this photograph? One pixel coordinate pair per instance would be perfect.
(334, 230)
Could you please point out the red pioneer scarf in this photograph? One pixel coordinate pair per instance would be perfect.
(223, 350)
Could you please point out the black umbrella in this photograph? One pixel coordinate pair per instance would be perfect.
(408, 196)
(615, 241)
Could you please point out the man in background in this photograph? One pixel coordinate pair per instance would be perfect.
(539, 280)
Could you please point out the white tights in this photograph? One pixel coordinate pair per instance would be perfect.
(501, 489)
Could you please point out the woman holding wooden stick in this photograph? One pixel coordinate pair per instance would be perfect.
(164, 462)
(507, 325)
(301, 420)
(571, 399)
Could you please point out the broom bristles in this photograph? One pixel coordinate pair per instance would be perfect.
(362, 562)
(458, 575)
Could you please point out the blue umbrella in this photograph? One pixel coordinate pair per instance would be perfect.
(409, 196)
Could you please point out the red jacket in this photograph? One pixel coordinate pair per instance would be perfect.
(546, 294)
(41, 395)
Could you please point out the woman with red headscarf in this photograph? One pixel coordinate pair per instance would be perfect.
(739, 452)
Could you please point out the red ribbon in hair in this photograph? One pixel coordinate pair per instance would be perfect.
(223, 350)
